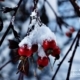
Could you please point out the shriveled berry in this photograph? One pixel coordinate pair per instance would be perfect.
(69, 34)
(34, 48)
(56, 51)
(72, 29)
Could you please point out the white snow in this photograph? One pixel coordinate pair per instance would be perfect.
(38, 35)
(26, 40)
(41, 52)
(33, 21)
(33, 13)
(42, 33)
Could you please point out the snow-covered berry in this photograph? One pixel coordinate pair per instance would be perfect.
(24, 51)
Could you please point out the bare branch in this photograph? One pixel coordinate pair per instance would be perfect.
(59, 20)
(71, 59)
(9, 27)
(59, 65)
(76, 7)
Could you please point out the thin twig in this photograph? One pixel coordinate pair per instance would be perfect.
(59, 65)
(35, 3)
(76, 7)
(58, 18)
(71, 59)
(12, 19)
(51, 7)
(14, 59)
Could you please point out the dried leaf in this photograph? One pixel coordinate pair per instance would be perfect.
(24, 67)
(13, 44)
(15, 33)
(1, 24)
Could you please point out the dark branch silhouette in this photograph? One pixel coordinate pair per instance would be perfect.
(59, 65)
(76, 7)
(72, 57)
(59, 19)
(9, 27)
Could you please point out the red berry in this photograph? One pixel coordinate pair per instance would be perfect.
(68, 34)
(25, 51)
(45, 44)
(34, 48)
(72, 29)
(42, 62)
(56, 51)
(48, 44)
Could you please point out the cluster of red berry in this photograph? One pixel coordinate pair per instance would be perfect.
(44, 45)
(49, 47)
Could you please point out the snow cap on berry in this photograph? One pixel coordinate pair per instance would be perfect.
(27, 41)
(41, 52)
(44, 33)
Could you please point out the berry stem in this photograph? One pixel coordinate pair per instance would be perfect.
(21, 76)
(54, 61)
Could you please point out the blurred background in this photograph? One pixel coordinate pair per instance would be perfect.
(62, 8)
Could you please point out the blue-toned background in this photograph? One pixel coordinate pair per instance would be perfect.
(62, 8)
